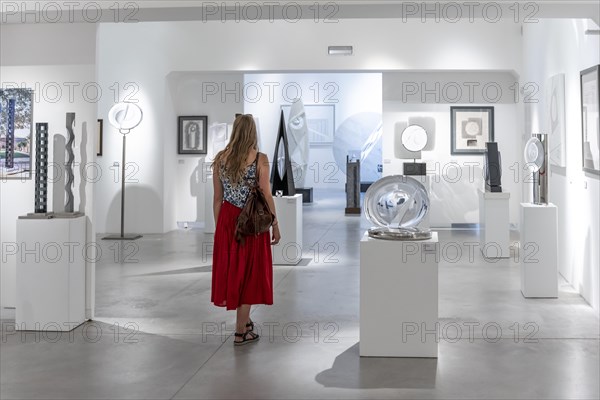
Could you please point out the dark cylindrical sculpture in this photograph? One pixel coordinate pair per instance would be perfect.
(10, 135)
(69, 206)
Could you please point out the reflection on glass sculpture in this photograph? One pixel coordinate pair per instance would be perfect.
(536, 157)
(397, 204)
(360, 131)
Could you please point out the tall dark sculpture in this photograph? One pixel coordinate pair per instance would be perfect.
(69, 206)
(10, 135)
(41, 168)
(282, 178)
(352, 185)
(493, 173)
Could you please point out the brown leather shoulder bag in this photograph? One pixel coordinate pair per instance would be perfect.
(256, 216)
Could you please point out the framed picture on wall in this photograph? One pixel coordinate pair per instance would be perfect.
(590, 113)
(192, 135)
(470, 128)
(320, 121)
(100, 130)
(16, 133)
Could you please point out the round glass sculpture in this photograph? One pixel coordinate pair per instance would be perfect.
(534, 153)
(125, 116)
(397, 204)
(414, 138)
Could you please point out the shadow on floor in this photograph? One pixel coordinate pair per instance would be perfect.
(193, 270)
(351, 371)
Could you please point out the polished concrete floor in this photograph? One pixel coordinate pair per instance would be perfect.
(157, 336)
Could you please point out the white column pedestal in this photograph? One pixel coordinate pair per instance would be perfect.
(539, 250)
(289, 215)
(50, 274)
(399, 297)
(494, 233)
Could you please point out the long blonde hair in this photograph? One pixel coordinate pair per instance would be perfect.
(233, 157)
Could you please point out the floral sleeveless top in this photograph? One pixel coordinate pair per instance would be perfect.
(234, 193)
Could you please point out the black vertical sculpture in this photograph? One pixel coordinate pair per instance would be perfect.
(41, 168)
(352, 186)
(10, 135)
(282, 177)
(69, 206)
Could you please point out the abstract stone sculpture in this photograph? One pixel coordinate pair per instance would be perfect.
(282, 177)
(69, 206)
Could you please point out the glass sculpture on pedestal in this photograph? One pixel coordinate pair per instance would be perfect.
(397, 204)
(536, 156)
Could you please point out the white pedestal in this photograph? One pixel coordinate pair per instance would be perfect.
(494, 233)
(209, 191)
(50, 274)
(289, 215)
(539, 250)
(399, 297)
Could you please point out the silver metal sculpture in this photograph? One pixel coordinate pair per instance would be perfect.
(536, 156)
(397, 204)
(69, 206)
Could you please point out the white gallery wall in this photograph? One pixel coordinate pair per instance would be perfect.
(457, 177)
(148, 52)
(59, 64)
(349, 94)
(553, 47)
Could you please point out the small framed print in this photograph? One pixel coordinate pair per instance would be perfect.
(100, 131)
(470, 128)
(192, 135)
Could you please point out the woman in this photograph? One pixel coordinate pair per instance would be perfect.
(242, 274)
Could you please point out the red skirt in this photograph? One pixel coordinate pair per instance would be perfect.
(241, 274)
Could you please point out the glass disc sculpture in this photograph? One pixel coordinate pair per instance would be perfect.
(414, 138)
(397, 204)
(534, 153)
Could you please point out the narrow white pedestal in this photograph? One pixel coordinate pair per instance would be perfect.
(399, 297)
(50, 274)
(289, 215)
(539, 250)
(494, 224)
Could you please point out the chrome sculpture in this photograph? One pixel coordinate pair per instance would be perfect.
(397, 204)
(536, 156)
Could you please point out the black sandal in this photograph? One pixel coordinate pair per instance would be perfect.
(251, 326)
(253, 338)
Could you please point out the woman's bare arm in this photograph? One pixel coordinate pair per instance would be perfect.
(218, 194)
(265, 186)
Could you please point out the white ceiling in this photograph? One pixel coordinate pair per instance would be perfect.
(194, 10)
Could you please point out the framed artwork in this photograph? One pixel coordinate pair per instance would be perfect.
(590, 127)
(100, 130)
(320, 120)
(470, 128)
(192, 135)
(556, 120)
(16, 133)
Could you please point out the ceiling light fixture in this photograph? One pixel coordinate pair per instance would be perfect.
(340, 50)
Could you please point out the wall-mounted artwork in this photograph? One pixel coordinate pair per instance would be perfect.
(16, 133)
(556, 120)
(99, 137)
(320, 120)
(470, 129)
(590, 99)
(192, 135)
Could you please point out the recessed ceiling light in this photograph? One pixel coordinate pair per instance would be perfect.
(340, 50)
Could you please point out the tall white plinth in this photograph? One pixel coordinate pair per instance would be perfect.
(539, 250)
(50, 274)
(289, 215)
(494, 232)
(399, 297)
